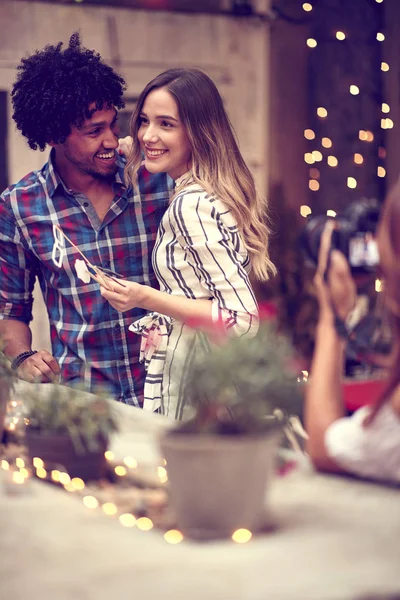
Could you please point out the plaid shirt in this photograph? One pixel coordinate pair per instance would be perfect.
(90, 339)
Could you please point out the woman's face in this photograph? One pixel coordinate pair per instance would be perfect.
(162, 136)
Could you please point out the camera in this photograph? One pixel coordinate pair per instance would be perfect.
(354, 235)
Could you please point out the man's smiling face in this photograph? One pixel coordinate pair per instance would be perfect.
(90, 149)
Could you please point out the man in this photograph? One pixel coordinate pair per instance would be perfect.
(68, 99)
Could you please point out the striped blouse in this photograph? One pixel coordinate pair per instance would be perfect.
(198, 254)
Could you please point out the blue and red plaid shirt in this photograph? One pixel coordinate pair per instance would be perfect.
(90, 339)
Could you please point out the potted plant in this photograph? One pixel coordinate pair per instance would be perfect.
(7, 379)
(219, 460)
(68, 429)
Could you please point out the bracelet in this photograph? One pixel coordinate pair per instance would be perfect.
(18, 360)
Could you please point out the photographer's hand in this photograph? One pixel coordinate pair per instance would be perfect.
(336, 293)
(335, 287)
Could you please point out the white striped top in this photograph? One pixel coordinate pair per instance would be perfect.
(198, 254)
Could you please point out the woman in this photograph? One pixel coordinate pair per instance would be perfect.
(212, 234)
(366, 444)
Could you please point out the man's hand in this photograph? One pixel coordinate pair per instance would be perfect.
(41, 367)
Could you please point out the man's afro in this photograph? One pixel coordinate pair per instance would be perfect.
(55, 87)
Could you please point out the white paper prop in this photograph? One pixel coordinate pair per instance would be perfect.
(82, 270)
(58, 251)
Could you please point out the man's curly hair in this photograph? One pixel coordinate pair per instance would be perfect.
(55, 87)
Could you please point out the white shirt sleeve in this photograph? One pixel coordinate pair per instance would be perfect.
(371, 451)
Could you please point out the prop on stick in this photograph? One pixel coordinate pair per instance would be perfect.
(84, 268)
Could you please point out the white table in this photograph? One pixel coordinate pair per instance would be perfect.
(338, 539)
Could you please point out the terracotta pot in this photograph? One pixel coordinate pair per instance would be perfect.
(218, 483)
(4, 398)
(58, 452)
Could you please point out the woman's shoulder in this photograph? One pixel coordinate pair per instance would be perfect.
(195, 197)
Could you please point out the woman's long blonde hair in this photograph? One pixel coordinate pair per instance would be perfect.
(217, 164)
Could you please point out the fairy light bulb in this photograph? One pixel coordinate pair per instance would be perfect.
(305, 210)
(351, 183)
(312, 43)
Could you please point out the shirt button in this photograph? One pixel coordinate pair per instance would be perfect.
(117, 326)
(86, 204)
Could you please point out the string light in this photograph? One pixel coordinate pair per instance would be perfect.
(381, 172)
(314, 173)
(329, 213)
(370, 136)
(5, 465)
(90, 501)
(41, 473)
(384, 66)
(317, 156)
(18, 478)
(313, 185)
(127, 520)
(379, 1)
(387, 123)
(78, 483)
(144, 523)
(378, 285)
(358, 159)
(162, 474)
(308, 158)
(109, 455)
(380, 37)
(351, 182)
(322, 112)
(173, 536)
(109, 508)
(55, 475)
(19, 463)
(332, 161)
(340, 35)
(311, 42)
(326, 142)
(130, 462)
(305, 210)
(309, 134)
(241, 536)
(381, 152)
(354, 90)
(307, 7)
(385, 108)
(120, 471)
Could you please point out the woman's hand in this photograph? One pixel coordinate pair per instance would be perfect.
(125, 145)
(336, 289)
(123, 295)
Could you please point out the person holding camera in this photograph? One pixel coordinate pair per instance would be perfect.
(367, 443)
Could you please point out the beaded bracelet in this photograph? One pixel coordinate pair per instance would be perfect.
(18, 360)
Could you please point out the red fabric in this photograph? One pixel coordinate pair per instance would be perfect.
(361, 393)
